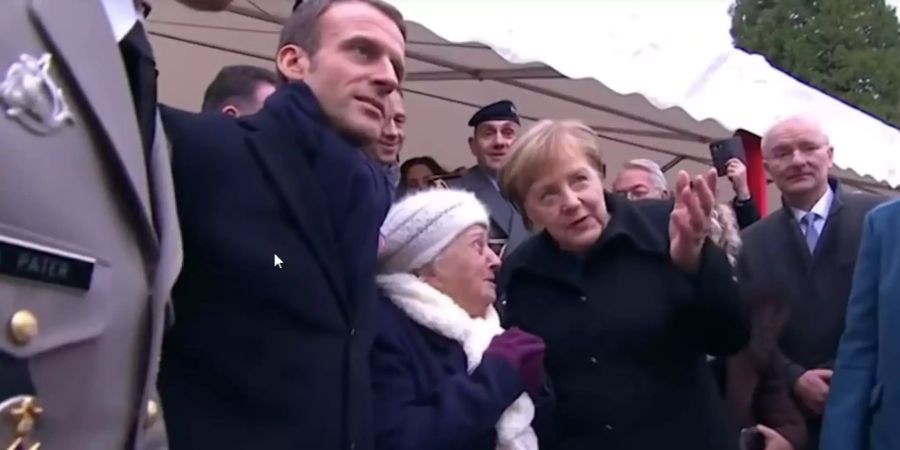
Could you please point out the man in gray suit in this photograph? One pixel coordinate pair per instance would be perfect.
(804, 255)
(495, 128)
(89, 239)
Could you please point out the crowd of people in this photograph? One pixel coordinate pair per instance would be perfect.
(528, 302)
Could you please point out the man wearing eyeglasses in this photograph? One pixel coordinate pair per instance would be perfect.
(642, 179)
(805, 254)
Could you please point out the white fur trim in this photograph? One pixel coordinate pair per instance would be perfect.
(432, 309)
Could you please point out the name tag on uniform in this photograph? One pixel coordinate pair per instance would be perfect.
(22, 259)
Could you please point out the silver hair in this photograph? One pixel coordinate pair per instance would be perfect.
(725, 233)
(657, 178)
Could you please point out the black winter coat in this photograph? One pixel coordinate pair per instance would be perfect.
(627, 334)
(261, 356)
(425, 398)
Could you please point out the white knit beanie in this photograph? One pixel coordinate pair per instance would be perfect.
(420, 226)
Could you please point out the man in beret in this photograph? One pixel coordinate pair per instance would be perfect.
(495, 127)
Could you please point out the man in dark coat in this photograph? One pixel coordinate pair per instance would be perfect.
(280, 213)
(495, 128)
(239, 90)
(806, 253)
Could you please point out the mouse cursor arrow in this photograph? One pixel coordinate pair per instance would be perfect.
(278, 262)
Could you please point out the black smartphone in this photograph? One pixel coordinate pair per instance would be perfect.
(752, 439)
(724, 150)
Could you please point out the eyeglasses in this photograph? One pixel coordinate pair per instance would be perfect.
(636, 194)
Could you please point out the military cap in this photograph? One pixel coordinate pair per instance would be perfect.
(502, 110)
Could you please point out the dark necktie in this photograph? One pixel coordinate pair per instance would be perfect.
(141, 68)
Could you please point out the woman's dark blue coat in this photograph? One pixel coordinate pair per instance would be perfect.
(423, 396)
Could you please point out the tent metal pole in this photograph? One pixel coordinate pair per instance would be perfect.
(672, 163)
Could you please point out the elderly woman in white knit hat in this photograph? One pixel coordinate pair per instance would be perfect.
(445, 375)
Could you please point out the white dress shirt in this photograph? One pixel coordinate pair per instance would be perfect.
(122, 16)
(821, 208)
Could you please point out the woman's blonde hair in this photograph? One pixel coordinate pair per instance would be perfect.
(543, 144)
(725, 232)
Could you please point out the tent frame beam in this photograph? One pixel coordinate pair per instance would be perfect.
(527, 73)
(513, 72)
(511, 77)
(678, 133)
(672, 163)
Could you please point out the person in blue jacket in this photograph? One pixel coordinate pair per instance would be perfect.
(445, 375)
(863, 407)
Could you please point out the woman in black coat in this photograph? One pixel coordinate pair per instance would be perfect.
(629, 298)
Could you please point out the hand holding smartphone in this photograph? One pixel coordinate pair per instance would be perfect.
(724, 151)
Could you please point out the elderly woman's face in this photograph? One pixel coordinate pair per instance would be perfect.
(567, 200)
(464, 271)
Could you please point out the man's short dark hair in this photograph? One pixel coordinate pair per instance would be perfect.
(236, 84)
(302, 30)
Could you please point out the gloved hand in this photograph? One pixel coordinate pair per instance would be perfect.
(523, 351)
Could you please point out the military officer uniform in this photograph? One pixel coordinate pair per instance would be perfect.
(507, 229)
(89, 239)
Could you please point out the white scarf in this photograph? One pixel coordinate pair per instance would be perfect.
(432, 309)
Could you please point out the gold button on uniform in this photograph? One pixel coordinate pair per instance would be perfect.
(152, 413)
(23, 327)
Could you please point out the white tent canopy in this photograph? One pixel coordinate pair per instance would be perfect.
(651, 85)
